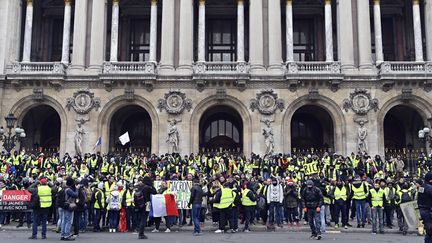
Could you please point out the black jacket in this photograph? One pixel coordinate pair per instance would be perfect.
(312, 197)
(197, 195)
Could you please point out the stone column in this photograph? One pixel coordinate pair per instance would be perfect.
(186, 35)
(328, 31)
(167, 47)
(345, 35)
(114, 30)
(417, 31)
(28, 32)
(364, 35)
(275, 35)
(256, 38)
(153, 31)
(428, 28)
(201, 31)
(289, 32)
(240, 31)
(79, 35)
(98, 35)
(378, 33)
(66, 31)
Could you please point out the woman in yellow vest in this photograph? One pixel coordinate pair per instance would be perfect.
(376, 196)
(98, 206)
(248, 200)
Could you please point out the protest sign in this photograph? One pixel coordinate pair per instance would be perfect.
(14, 200)
(181, 190)
(411, 214)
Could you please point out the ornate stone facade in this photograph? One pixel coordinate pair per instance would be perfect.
(264, 90)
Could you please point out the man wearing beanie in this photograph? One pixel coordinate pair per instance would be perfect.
(41, 208)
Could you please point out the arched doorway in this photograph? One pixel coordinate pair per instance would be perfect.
(43, 128)
(311, 130)
(137, 122)
(221, 128)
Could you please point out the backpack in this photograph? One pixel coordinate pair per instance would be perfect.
(139, 200)
(115, 202)
(406, 197)
(88, 195)
(61, 199)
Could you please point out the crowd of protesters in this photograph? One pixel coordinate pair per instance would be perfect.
(94, 192)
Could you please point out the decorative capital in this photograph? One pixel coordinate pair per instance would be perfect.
(328, 2)
(68, 2)
(202, 2)
(83, 101)
(416, 2)
(360, 102)
(175, 102)
(29, 2)
(377, 2)
(116, 1)
(267, 102)
(154, 2)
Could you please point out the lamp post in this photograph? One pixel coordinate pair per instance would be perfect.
(8, 139)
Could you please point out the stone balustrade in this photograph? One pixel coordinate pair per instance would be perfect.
(38, 68)
(129, 67)
(313, 68)
(221, 68)
(406, 68)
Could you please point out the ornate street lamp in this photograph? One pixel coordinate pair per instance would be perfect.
(424, 134)
(8, 139)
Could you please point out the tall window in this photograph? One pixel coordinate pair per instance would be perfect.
(221, 38)
(304, 40)
(56, 41)
(139, 46)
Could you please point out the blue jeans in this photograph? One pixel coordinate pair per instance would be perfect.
(323, 218)
(2, 216)
(113, 216)
(84, 220)
(360, 206)
(275, 208)
(235, 217)
(196, 211)
(314, 221)
(66, 223)
(60, 218)
(42, 217)
(377, 219)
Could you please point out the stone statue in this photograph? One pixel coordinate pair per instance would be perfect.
(361, 140)
(79, 133)
(268, 137)
(173, 136)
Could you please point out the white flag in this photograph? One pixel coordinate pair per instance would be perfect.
(124, 139)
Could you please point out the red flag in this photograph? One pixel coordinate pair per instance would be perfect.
(171, 205)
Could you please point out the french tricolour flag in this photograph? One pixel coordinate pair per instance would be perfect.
(98, 143)
(163, 205)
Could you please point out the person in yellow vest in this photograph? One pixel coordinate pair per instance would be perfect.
(376, 196)
(114, 206)
(341, 195)
(42, 191)
(223, 201)
(128, 198)
(405, 195)
(109, 186)
(98, 206)
(359, 192)
(248, 200)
